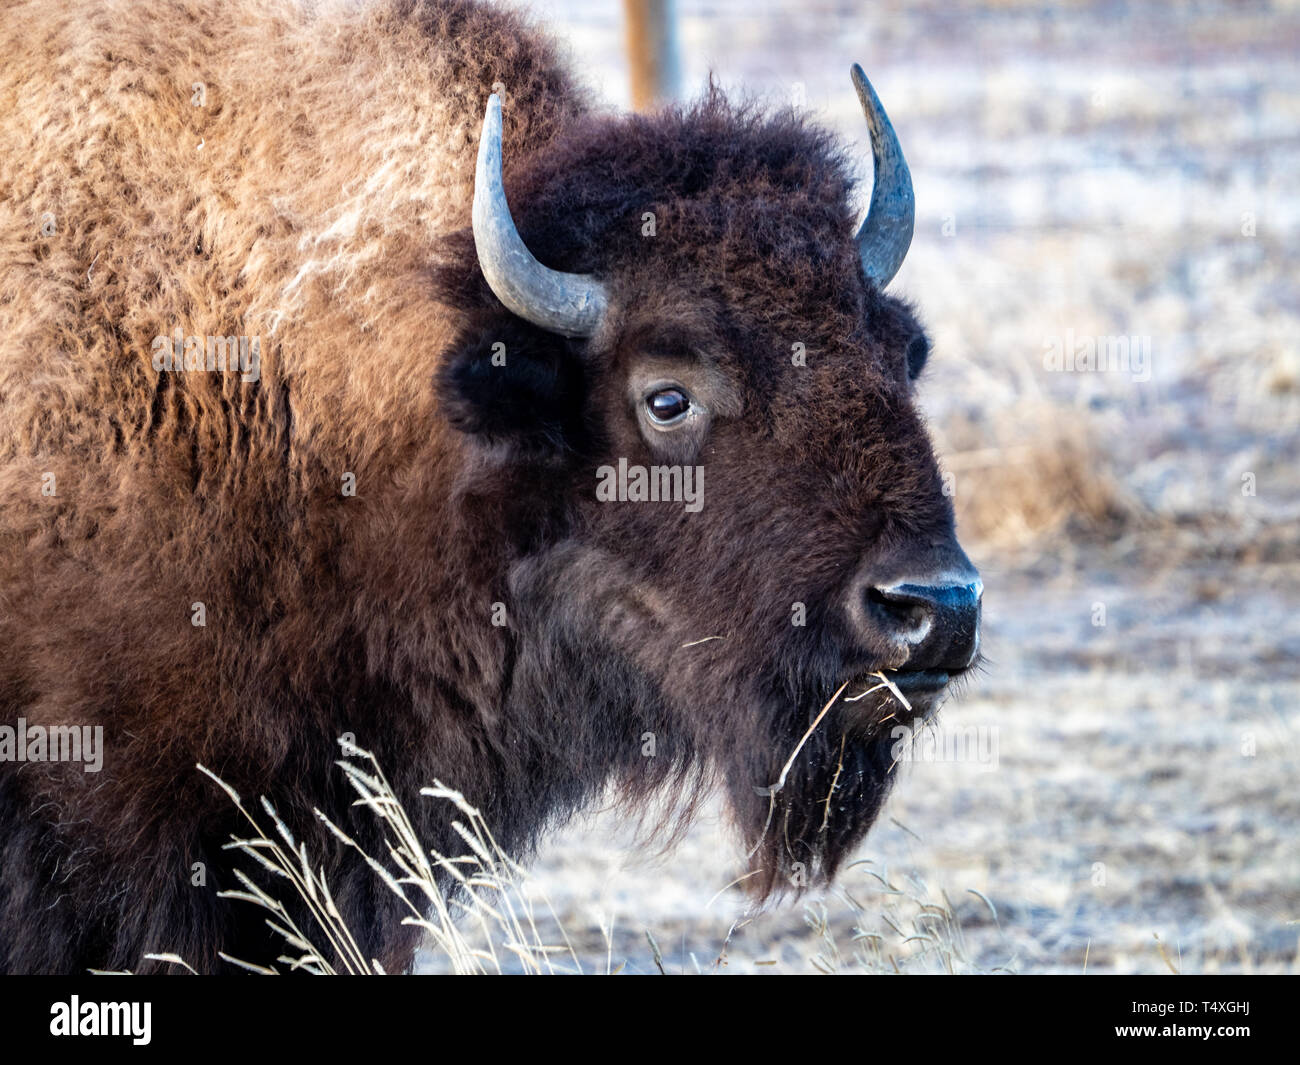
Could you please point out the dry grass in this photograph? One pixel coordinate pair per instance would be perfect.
(1038, 471)
(488, 924)
(913, 930)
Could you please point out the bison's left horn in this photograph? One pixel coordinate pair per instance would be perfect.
(886, 232)
(569, 304)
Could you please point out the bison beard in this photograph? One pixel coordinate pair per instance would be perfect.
(129, 497)
(713, 724)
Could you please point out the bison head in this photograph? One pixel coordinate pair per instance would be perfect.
(727, 555)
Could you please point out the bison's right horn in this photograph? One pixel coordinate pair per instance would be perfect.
(570, 304)
(886, 232)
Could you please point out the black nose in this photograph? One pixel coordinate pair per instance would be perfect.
(937, 625)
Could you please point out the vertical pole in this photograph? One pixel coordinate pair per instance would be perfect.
(652, 52)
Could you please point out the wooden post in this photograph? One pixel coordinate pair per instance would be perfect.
(652, 52)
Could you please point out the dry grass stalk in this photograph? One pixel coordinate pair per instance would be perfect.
(488, 923)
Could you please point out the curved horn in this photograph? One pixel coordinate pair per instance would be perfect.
(569, 304)
(886, 232)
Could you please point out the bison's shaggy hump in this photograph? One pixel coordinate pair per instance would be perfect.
(248, 169)
(302, 174)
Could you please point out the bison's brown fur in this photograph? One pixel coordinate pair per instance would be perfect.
(248, 168)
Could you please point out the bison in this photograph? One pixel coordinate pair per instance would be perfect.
(604, 474)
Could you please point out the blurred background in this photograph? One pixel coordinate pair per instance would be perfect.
(1110, 178)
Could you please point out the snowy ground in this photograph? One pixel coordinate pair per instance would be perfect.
(1082, 170)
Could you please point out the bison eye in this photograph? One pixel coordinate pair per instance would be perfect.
(668, 405)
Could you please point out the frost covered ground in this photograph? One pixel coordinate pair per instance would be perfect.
(1082, 170)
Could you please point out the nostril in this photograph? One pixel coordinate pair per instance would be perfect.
(903, 615)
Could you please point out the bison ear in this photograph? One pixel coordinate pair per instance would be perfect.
(503, 379)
